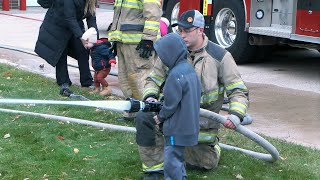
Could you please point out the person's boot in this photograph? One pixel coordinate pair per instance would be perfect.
(95, 91)
(64, 90)
(106, 91)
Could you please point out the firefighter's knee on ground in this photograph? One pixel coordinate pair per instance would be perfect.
(145, 135)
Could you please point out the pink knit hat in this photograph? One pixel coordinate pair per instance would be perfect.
(164, 24)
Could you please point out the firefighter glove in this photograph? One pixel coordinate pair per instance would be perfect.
(145, 48)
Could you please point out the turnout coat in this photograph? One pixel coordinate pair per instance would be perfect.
(63, 22)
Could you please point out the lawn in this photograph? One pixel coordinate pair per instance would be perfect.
(38, 148)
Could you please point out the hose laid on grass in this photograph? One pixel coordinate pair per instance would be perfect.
(272, 157)
(74, 120)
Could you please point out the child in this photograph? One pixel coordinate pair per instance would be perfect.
(181, 107)
(164, 24)
(102, 60)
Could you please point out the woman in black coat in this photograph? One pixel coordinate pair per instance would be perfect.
(60, 35)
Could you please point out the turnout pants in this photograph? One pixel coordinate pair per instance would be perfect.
(205, 155)
(132, 70)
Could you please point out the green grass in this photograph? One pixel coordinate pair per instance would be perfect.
(35, 151)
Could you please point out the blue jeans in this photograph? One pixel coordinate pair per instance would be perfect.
(174, 168)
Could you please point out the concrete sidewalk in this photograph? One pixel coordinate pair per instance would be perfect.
(19, 30)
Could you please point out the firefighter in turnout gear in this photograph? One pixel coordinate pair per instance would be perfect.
(134, 29)
(219, 76)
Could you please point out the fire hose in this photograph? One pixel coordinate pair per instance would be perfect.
(132, 105)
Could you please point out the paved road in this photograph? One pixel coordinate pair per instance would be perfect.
(285, 95)
(284, 91)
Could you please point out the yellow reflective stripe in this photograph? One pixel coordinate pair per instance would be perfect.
(148, 91)
(153, 25)
(218, 149)
(157, 79)
(152, 1)
(133, 4)
(212, 96)
(209, 97)
(238, 107)
(117, 2)
(237, 85)
(126, 38)
(158, 167)
(207, 137)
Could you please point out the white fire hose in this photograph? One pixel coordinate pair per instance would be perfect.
(134, 106)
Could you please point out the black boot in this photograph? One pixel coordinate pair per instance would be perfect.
(65, 91)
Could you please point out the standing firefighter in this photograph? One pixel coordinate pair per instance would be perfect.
(218, 74)
(134, 29)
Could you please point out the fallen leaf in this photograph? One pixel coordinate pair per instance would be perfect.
(60, 137)
(17, 117)
(92, 171)
(283, 158)
(238, 176)
(7, 74)
(45, 176)
(6, 136)
(76, 150)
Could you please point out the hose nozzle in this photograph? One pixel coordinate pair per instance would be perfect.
(144, 106)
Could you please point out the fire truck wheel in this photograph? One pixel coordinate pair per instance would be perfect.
(172, 12)
(228, 31)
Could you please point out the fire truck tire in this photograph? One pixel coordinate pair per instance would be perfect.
(171, 10)
(228, 31)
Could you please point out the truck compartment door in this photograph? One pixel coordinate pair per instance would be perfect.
(308, 18)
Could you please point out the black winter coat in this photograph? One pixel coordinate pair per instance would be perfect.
(63, 22)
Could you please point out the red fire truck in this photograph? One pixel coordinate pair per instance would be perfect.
(249, 28)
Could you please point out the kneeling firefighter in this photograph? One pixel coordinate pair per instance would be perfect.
(219, 76)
